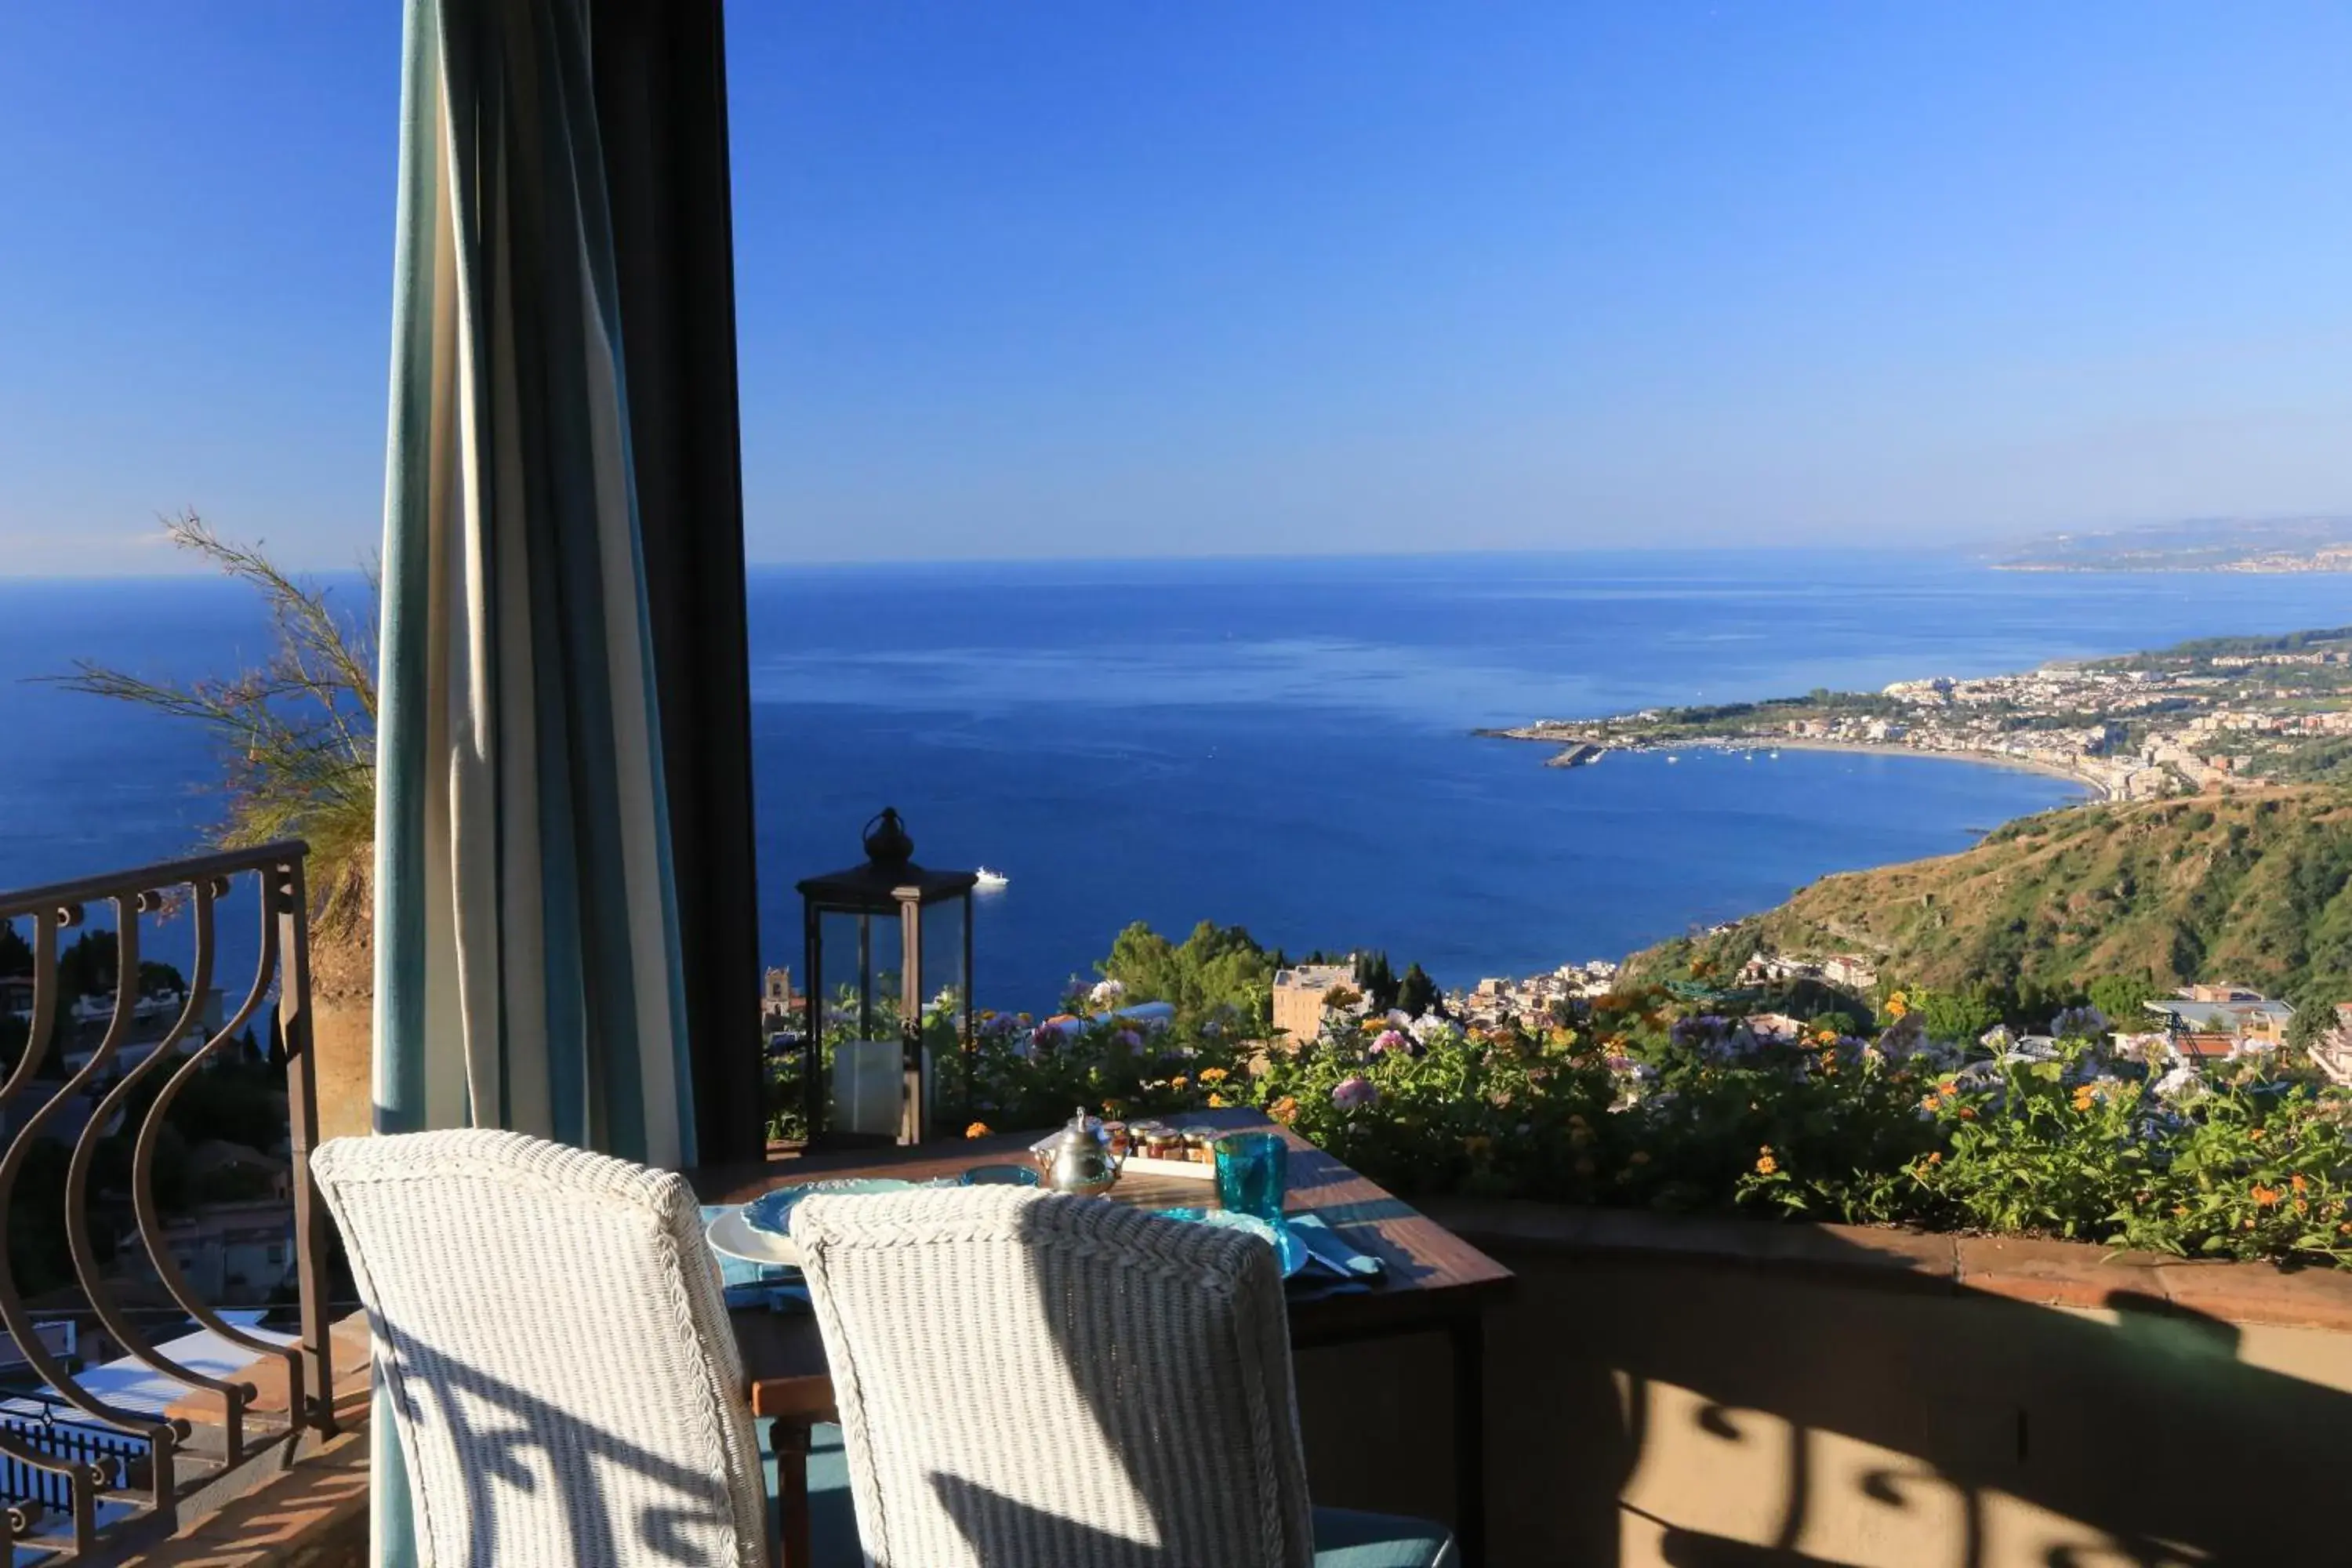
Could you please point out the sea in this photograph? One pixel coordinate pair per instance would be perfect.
(1284, 744)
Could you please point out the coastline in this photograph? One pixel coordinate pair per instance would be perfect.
(2098, 788)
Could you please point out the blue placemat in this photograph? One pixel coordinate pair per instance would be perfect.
(770, 1285)
(1331, 1254)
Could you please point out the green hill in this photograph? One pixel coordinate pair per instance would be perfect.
(2254, 888)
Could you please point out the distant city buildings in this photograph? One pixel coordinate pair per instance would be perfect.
(1531, 1002)
(2231, 1013)
(1846, 971)
(2137, 728)
(1301, 994)
(780, 1005)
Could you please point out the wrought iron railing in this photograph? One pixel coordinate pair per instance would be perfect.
(165, 1466)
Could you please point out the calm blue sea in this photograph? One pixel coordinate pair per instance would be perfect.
(1279, 743)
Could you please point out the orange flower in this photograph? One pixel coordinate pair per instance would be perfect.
(1935, 1157)
(2265, 1196)
(1213, 1074)
(2255, 1133)
(2297, 1182)
(1967, 1113)
(1180, 1083)
(1216, 1103)
(978, 1129)
(1640, 1156)
(2084, 1097)
(1933, 1102)
(1284, 1110)
(2180, 1210)
(1765, 1164)
(2303, 1205)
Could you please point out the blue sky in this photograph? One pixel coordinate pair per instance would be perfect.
(1161, 279)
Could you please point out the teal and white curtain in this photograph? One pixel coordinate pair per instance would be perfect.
(528, 970)
(527, 964)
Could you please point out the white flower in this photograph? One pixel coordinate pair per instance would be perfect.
(2182, 1083)
(1106, 993)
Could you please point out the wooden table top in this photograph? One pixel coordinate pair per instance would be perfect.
(1433, 1275)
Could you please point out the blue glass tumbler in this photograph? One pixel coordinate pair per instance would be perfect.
(1253, 1172)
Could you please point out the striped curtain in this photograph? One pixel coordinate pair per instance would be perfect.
(528, 971)
(527, 963)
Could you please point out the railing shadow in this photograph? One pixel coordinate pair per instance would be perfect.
(2150, 1432)
(515, 1441)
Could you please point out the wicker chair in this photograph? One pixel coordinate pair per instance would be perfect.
(1027, 1378)
(551, 1330)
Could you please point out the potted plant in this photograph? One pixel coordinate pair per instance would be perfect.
(296, 737)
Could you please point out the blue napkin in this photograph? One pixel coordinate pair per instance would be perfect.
(1331, 1253)
(770, 1285)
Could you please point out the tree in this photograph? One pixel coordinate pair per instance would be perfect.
(15, 952)
(2122, 998)
(1217, 968)
(87, 968)
(1378, 980)
(1955, 1014)
(1416, 992)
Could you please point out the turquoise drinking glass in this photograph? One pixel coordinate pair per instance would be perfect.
(1253, 1172)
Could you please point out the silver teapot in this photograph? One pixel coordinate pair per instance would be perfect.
(1078, 1159)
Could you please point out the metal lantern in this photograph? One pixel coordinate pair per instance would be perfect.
(887, 883)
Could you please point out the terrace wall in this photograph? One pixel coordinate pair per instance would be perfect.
(1706, 1393)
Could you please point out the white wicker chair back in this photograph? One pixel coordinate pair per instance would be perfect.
(1028, 1378)
(552, 1331)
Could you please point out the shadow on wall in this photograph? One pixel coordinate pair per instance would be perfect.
(1698, 1412)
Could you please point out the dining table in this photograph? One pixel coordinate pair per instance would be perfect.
(1431, 1281)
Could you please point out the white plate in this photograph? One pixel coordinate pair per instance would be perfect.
(732, 1234)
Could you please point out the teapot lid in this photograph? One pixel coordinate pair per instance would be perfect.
(1082, 1129)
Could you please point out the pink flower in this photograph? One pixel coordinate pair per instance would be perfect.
(1390, 1040)
(1355, 1093)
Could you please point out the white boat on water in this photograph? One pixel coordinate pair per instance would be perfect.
(989, 881)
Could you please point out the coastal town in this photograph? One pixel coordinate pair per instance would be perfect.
(2197, 1023)
(2222, 713)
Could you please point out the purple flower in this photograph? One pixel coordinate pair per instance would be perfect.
(1045, 1038)
(1355, 1093)
(1128, 1040)
(1390, 1040)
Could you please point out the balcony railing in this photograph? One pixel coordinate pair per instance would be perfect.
(95, 1476)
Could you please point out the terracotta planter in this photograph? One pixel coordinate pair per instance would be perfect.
(342, 1031)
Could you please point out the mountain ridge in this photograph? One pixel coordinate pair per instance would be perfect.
(2253, 888)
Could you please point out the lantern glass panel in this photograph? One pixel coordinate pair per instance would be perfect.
(946, 983)
(861, 972)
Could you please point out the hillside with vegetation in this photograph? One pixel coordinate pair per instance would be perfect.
(2253, 888)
